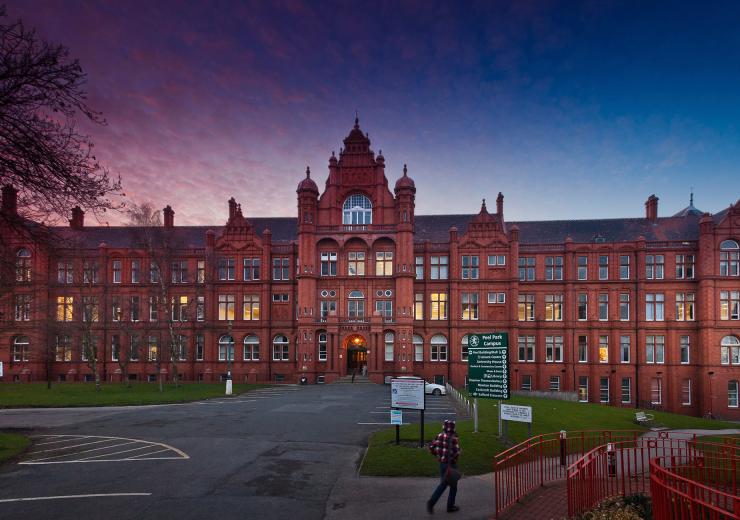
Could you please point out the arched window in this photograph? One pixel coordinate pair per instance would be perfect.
(23, 265)
(439, 348)
(225, 345)
(356, 306)
(280, 348)
(730, 351)
(251, 348)
(729, 258)
(389, 340)
(20, 348)
(464, 348)
(357, 211)
(322, 339)
(418, 342)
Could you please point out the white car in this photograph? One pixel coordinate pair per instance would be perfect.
(429, 388)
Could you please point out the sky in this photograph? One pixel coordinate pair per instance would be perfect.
(573, 110)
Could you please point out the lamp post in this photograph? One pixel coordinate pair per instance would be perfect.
(229, 354)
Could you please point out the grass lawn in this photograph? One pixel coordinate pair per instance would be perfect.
(549, 415)
(11, 445)
(111, 394)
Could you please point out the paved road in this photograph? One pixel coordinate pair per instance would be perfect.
(285, 452)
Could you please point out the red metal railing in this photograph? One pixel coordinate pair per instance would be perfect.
(545, 458)
(623, 468)
(687, 485)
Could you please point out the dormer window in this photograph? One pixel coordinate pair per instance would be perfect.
(357, 210)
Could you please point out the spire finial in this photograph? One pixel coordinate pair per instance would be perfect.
(357, 119)
(691, 198)
(405, 170)
(308, 172)
(483, 206)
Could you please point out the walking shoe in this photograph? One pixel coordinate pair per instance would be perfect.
(430, 507)
(453, 509)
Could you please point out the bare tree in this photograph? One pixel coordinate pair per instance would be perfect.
(42, 151)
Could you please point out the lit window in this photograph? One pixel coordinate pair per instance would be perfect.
(553, 307)
(384, 263)
(65, 308)
(419, 306)
(685, 306)
(526, 307)
(438, 306)
(226, 307)
(356, 263)
(603, 349)
(729, 305)
(469, 306)
(251, 307)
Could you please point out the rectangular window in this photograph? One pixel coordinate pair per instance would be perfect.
(438, 309)
(469, 306)
(624, 349)
(624, 267)
(553, 349)
(603, 307)
(179, 308)
(135, 344)
(281, 268)
(732, 394)
(656, 390)
(583, 389)
(152, 348)
(686, 392)
(418, 350)
(251, 308)
(526, 268)
(626, 390)
(135, 271)
(604, 389)
(582, 267)
(388, 354)
(654, 267)
(729, 263)
(90, 309)
(582, 306)
(684, 344)
(200, 271)
(226, 269)
(603, 267)
(655, 349)
(116, 271)
(603, 349)
(685, 266)
(179, 272)
(419, 267)
(65, 272)
(383, 263)
(251, 269)
(624, 306)
(200, 308)
(685, 306)
(356, 309)
(134, 308)
(419, 306)
(582, 349)
(322, 346)
(328, 264)
(153, 272)
(526, 307)
(554, 307)
(526, 349)
(328, 307)
(527, 383)
(438, 352)
(438, 268)
(729, 305)
(553, 268)
(153, 308)
(63, 349)
(356, 263)
(470, 267)
(654, 307)
(554, 383)
(496, 260)
(90, 272)
(385, 308)
(199, 347)
(65, 308)
(23, 307)
(115, 308)
(226, 307)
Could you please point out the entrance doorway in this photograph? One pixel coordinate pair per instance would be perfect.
(356, 353)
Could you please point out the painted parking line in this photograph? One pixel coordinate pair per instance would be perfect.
(385, 423)
(105, 449)
(60, 497)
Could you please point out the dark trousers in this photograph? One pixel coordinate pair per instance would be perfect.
(443, 485)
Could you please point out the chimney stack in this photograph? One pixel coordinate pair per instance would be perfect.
(500, 204)
(78, 218)
(232, 208)
(169, 217)
(10, 200)
(651, 208)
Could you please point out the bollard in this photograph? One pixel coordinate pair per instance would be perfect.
(563, 450)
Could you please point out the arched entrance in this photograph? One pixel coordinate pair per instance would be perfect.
(356, 349)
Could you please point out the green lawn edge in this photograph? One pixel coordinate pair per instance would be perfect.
(71, 395)
(12, 445)
(384, 458)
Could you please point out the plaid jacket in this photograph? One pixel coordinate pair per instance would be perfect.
(440, 445)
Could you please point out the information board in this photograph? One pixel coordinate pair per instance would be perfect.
(488, 365)
(407, 393)
(512, 412)
(397, 417)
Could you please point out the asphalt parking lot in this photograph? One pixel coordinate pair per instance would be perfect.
(273, 453)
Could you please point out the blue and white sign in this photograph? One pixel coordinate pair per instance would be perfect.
(397, 417)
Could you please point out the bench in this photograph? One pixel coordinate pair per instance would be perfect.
(643, 418)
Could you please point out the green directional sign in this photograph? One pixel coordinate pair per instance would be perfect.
(488, 365)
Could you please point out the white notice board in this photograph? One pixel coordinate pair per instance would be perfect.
(511, 412)
(407, 393)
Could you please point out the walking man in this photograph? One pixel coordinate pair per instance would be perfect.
(446, 447)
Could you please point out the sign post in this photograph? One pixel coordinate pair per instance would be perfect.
(488, 369)
(409, 394)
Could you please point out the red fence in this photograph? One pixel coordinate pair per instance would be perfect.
(545, 458)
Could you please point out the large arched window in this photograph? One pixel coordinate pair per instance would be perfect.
(20, 348)
(280, 348)
(418, 342)
(439, 348)
(730, 351)
(251, 348)
(729, 258)
(225, 345)
(389, 340)
(23, 265)
(357, 211)
(464, 348)
(322, 339)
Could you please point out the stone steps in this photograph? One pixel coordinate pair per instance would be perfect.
(359, 380)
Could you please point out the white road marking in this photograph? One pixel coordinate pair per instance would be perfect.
(96, 495)
(84, 451)
(72, 438)
(68, 447)
(136, 457)
(117, 452)
(386, 423)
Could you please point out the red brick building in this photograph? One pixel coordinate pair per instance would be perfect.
(621, 311)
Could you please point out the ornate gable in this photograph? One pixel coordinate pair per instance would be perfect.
(484, 229)
(238, 234)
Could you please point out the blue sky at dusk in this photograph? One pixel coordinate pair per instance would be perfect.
(571, 109)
